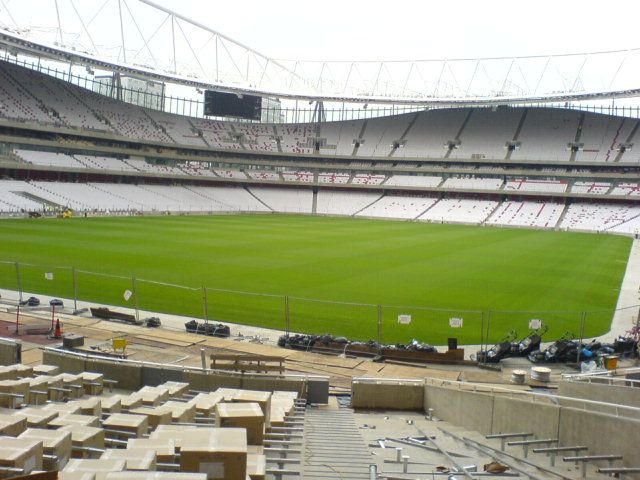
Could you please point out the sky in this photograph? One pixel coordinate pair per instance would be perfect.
(370, 30)
(414, 29)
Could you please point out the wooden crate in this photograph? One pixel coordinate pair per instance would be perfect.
(242, 415)
(136, 458)
(21, 453)
(221, 453)
(54, 442)
(83, 436)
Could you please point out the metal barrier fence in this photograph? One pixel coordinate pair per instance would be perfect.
(387, 324)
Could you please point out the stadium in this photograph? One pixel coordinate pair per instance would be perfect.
(220, 264)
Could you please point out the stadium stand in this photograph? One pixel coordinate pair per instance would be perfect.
(363, 187)
(381, 133)
(597, 217)
(593, 188)
(414, 181)
(335, 202)
(530, 185)
(487, 132)
(332, 177)
(289, 200)
(262, 175)
(459, 211)
(368, 179)
(547, 134)
(626, 189)
(298, 176)
(431, 131)
(473, 183)
(398, 207)
(527, 214)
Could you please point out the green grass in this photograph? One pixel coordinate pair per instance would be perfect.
(462, 270)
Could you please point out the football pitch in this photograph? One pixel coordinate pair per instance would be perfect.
(326, 275)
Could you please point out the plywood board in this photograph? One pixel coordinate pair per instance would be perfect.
(79, 321)
(116, 327)
(166, 341)
(320, 359)
(92, 333)
(187, 338)
(401, 371)
(32, 356)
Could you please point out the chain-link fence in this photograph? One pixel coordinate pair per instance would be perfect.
(387, 324)
(104, 288)
(401, 324)
(596, 322)
(168, 298)
(48, 280)
(356, 321)
(500, 323)
(263, 310)
(9, 272)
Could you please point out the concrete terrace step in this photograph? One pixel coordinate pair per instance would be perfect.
(333, 446)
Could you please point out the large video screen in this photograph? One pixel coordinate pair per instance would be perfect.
(220, 104)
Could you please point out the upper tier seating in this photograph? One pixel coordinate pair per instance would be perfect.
(368, 179)
(487, 132)
(546, 134)
(473, 183)
(533, 185)
(49, 158)
(414, 180)
(593, 188)
(626, 189)
(263, 175)
(540, 134)
(333, 177)
(298, 176)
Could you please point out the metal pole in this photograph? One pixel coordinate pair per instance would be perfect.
(17, 319)
(486, 345)
(582, 320)
(19, 279)
(287, 315)
(203, 359)
(205, 304)
(379, 329)
(75, 289)
(134, 286)
(481, 329)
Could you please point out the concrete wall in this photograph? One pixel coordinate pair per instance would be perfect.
(519, 415)
(602, 433)
(387, 395)
(620, 394)
(10, 352)
(131, 376)
(464, 408)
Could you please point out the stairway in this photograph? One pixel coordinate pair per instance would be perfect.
(333, 446)
(561, 217)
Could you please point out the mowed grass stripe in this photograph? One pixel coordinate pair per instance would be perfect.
(453, 267)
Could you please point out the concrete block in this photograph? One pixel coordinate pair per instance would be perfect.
(514, 415)
(463, 408)
(387, 395)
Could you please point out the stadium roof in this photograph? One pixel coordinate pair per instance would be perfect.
(168, 46)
